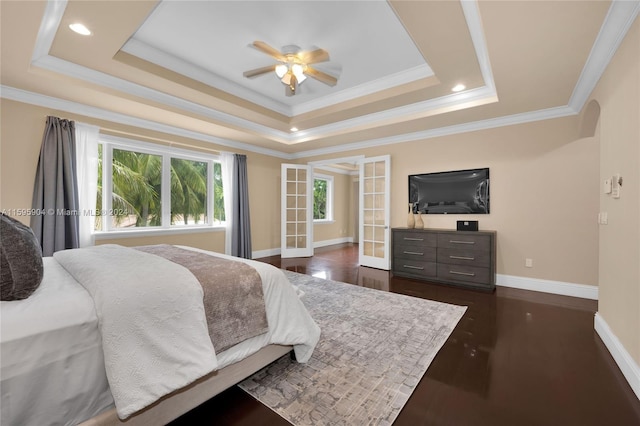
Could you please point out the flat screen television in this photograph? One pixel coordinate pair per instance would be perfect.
(454, 192)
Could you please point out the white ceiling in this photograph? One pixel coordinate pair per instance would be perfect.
(209, 42)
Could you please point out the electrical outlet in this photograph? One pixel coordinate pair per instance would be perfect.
(528, 263)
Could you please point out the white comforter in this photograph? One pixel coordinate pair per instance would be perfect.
(151, 316)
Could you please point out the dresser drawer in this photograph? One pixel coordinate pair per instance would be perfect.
(412, 267)
(465, 241)
(409, 252)
(464, 273)
(421, 239)
(464, 256)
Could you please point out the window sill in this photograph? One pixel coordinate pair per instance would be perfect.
(323, 221)
(157, 231)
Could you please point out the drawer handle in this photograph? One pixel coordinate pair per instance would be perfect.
(413, 252)
(461, 242)
(413, 267)
(468, 274)
(413, 239)
(461, 257)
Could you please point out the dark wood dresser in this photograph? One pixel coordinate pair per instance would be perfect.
(465, 258)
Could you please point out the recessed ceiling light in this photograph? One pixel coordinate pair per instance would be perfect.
(80, 29)
(294, 129)
(458, 88)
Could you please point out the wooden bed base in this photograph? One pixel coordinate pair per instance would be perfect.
(181, 401)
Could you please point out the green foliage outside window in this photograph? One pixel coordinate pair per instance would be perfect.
(137, 188)
(319, 199)
(218, 194)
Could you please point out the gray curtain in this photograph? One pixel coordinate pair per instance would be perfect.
(55, 193)
(241, 228)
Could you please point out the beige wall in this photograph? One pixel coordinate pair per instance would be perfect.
(544, 193)
(618, 93)
(20, 139)
(342, 210)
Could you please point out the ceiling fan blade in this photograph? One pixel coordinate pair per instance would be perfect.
(271, 51)
(321, 76)
(259, 71)
(314, 56)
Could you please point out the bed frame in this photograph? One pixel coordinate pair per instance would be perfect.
(183, 400)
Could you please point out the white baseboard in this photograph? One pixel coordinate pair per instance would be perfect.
(325, 243)
(276, 251)
(627, 365)
(265, 253)
(524, 283)
(547, 286)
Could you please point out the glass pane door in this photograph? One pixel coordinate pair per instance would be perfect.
(374, 212)
(297, 211)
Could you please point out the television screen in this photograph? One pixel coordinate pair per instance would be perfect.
(454, 192)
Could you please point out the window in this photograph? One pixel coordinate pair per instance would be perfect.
(152, 187)
(188, 191)
(322, 198)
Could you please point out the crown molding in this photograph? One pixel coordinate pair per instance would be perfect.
(53, 12)
(336, 170)
(615, 26)
(491, 123)
(156, 56)
(53, 15)
(620, 17)
(70, 69)
(38, 99)
(452, 102)
(403, 77)
(474, 23)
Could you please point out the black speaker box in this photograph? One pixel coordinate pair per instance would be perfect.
(467, 225)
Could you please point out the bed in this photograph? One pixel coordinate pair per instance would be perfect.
(52, 348)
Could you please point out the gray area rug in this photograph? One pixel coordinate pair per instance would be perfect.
(374, 349)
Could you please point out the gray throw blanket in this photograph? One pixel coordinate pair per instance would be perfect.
(233, 297)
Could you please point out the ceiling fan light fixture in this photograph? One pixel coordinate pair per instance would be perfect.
(293, 67)
(286, 79)
(281, 70)
(298, 71)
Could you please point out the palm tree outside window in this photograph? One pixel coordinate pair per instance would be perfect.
(147, 189)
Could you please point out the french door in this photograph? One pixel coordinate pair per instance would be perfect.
(297, 211)
(375, 235)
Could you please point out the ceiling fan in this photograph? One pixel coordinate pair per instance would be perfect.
(294, 67)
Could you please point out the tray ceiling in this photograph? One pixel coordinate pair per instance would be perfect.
(179, 65)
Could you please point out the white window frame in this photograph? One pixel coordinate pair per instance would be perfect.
(167, 153)
(330, 186)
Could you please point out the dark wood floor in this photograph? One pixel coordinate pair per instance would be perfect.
(516, 358)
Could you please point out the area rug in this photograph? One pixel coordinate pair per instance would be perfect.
(374, 349)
